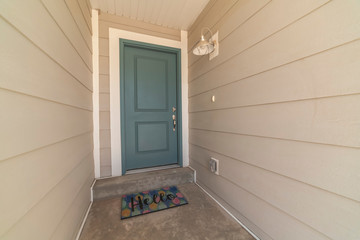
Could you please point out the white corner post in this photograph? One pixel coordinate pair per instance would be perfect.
(184, 97)
(95, 97)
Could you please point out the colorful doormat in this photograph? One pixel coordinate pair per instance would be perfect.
(151, 201)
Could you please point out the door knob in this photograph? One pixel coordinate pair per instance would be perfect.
(174, 109)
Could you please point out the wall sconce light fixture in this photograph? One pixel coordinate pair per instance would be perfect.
(205, 46)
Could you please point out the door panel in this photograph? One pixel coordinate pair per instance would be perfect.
(151, 84)
(150, 93)
(152, 136)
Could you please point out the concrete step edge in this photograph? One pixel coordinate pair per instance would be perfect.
(141, 184)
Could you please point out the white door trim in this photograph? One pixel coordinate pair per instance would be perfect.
(114, 61)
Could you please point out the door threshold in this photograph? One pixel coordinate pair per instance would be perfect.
(142, 170)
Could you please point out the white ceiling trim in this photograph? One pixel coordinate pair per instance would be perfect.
(176, 14)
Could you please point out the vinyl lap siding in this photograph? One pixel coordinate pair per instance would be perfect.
(46, 159)
(285, 122)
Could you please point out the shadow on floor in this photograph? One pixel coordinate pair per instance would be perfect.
(201, 219)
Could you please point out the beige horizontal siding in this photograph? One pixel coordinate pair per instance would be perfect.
(104, 47)
(290, 44)
(261, 208)
(302, 161)
(238, 14)
(77, 208)
(105, 154)
(56, 44)
(107, 21)
(105, 120)
(48, 214)
(62, 16)
(313, 77)
(105, 170)
(306, 203)
(32, 123)
(43, 78)
(46, 157)
(245, 28)
(326, 120)
(104, 82)
(105, 135)
(104, 99)
(217, 11)
(16, 171)
(270, 222)
(104, 68)
(84, 6)
(285, 121)
(75, 9)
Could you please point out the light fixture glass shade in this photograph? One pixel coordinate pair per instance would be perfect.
(203, 47)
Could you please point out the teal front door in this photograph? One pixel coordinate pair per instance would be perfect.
(150, 115)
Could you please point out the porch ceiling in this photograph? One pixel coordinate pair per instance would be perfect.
(177, 14)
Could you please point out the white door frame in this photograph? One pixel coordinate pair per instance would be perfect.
(115, 119)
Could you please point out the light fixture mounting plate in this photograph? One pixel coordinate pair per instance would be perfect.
(215, 39)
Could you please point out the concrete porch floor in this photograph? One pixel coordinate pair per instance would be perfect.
(201, 219)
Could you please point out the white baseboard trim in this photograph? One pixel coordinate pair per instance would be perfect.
(194, 173)
(228, 212)
(91, 191)
(87, 211)
(83, 222)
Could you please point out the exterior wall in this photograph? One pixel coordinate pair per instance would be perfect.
(46, 149)
(285, 124)
(105, 22)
